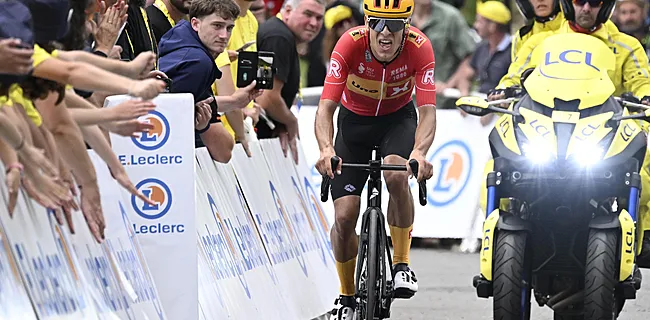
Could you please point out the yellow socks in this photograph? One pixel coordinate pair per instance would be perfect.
(346, 272)
(401, 243)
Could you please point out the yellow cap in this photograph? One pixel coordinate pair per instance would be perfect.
(336, 15)
(494, 11)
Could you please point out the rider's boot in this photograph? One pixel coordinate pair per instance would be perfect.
(344, 308)
(406, 285)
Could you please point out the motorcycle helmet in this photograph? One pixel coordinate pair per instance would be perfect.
(527, 10)
(388, 9)
(606, 9)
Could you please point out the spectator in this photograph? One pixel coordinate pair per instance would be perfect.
(450, 37)
(630, 17)
(338, 20)
(301, 22)
(258, 8)
(314, 58)
(491, 59)
(245, 31)
(187, 54)
(165, 14)
(137, 36)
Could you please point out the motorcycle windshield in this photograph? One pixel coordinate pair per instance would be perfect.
(572, 66)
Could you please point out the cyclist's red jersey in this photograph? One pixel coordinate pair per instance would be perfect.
(367, 87)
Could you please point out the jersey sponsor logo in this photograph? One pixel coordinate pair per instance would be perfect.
(335, 69)
(399, 70)
(358, 33)
(417, 39)
(361, 68)
(368, 88)
(398, 89)
(428, 77)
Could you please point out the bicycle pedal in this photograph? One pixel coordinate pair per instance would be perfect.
(403, 293)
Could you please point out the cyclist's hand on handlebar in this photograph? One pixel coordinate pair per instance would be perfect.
(496, 94)
(425, 169)
(324, 163)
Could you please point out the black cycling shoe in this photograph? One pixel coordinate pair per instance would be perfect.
(345, 308)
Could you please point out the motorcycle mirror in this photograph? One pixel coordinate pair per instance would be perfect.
(473, 105)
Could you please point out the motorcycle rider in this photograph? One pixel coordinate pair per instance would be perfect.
(631, 75)
(542, 16)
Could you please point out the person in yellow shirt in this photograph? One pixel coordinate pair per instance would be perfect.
(245, 31)
(542, 16)
(631, 75)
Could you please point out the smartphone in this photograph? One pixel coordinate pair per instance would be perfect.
(246, 45)
(255, 66)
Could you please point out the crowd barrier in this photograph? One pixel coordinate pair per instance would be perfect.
(243, 240)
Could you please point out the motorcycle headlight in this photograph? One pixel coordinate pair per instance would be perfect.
(588, 154)
(538, 153)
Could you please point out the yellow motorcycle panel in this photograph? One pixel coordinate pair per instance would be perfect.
(627, 245)
(627, 131)
(539, 130)
(487, 248)
(588, 132)
(568, 71)
(506, 130)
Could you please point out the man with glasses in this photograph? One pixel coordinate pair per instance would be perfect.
(372, 73)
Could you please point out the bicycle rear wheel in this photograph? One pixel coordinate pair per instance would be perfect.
(372, 266)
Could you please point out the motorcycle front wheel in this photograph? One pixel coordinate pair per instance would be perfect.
(511, 284)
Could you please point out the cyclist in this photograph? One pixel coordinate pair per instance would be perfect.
(373, 71)
(631, 75)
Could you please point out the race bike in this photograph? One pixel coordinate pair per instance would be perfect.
(563, 195)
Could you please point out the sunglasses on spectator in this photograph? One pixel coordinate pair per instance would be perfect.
(393, 25)
(592, 3)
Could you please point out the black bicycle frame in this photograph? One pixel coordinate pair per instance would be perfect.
(375, 167)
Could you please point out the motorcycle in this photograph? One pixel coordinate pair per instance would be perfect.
(563, 195)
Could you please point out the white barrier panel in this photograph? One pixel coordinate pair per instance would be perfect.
(458, 154)
(137, 291)
(290, 258)
(302, 222)
(45, 262)
(161, 164)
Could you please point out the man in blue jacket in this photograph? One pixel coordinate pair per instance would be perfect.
(187, 53)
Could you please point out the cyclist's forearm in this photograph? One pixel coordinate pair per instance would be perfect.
(426, 129)
(324, 124)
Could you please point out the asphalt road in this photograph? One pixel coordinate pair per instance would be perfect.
(446, 292)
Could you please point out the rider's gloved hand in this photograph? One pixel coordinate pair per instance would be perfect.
(646, 100)
(496, 94)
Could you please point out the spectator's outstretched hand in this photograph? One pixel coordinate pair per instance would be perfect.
(131, 109)
(243, 96)
(15, 60)
(203, 114)
(129, 128)
(142, 65)
(147, 89)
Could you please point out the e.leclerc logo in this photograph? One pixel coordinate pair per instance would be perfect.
(452, 166)
(161, 196)
(152, 140)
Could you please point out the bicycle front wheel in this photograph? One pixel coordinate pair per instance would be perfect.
(372, 266)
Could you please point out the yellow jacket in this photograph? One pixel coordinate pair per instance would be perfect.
(631, 74)
(526, 32)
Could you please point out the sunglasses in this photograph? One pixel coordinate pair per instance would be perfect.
(592, 3)
(393, 25)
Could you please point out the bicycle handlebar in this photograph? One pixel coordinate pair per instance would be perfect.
(422, 185)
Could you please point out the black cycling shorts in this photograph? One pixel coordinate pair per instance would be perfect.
(356, 137)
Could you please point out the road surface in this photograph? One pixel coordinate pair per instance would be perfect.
(446, 292)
